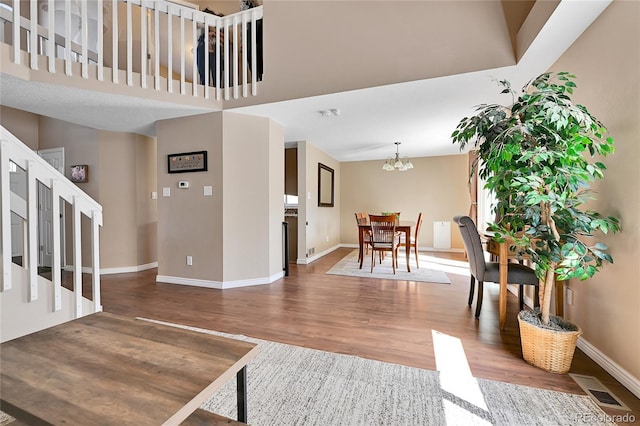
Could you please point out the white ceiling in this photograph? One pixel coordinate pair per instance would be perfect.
(420, 114)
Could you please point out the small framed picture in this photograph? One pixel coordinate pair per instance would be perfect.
(187, 162)
(80, 173)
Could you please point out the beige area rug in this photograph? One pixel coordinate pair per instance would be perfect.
(292, 385)
(427, 273)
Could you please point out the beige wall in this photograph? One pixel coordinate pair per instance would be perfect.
(436, 186)
(253, 179)
(234, 235)
(374, 55)
(127, 175)
(190, 224)
(318, 227)
(606, 60)
(147, 208)
(23, 125)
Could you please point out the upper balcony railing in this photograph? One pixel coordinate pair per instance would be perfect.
(159, 40)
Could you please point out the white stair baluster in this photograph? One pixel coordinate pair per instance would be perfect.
(57, 255)
(51, 41)
(114, 40)
(32, 227)
(143, 45)
(77, 255)
(33, 35)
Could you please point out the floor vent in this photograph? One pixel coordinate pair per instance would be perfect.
(598, 392)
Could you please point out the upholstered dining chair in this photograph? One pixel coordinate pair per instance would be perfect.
(413, 243)
(482, 270)
(384, 237)
(362, 219)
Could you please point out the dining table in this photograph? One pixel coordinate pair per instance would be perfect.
(403, 226)
(505, 253)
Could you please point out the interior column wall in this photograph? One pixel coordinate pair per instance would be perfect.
(189, 223)
(233, 236)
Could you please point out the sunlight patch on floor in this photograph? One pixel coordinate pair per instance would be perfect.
(457, 267)
(464, 403)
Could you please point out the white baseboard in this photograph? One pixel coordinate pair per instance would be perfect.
(118, 270)
(620, 374)
(125, 269)
(220, 285)
(317, 255)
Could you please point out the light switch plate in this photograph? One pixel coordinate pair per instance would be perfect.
(154, 195)
(208, 190)
(166, 191)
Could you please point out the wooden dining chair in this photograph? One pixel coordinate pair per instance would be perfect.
(384, 237)
(363, 219)
(413, 243)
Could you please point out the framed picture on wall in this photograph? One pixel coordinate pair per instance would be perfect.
(325, 186)
(80, 173)
(187, 162)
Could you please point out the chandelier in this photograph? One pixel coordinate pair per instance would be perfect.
(396, 163)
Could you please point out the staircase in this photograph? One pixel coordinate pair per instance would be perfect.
(28, 301)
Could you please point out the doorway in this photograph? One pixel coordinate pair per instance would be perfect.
(55, 157)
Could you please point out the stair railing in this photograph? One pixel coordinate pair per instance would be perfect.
(180, 27)
(12, 150)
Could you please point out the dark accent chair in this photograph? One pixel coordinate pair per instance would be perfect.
(482, 270)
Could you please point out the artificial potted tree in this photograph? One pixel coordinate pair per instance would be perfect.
(537, 156)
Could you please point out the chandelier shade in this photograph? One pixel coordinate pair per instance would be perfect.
(397, 163)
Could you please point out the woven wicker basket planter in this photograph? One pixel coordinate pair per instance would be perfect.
(548, 349)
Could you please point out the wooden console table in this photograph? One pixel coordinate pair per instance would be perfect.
(504, 254)
(110, 370)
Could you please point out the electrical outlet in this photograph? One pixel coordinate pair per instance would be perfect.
(569, 296)
(189, 260)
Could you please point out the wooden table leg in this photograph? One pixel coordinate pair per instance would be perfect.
(241, 387)
(504, 267)
(407, 240)
(360, 245)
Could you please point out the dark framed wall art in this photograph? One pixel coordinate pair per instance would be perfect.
(187, 162)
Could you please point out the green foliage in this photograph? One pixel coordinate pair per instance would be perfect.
(535, 156)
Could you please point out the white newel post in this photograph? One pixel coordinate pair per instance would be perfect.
(96, 221)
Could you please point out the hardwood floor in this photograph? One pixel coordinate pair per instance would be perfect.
(385, 320)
